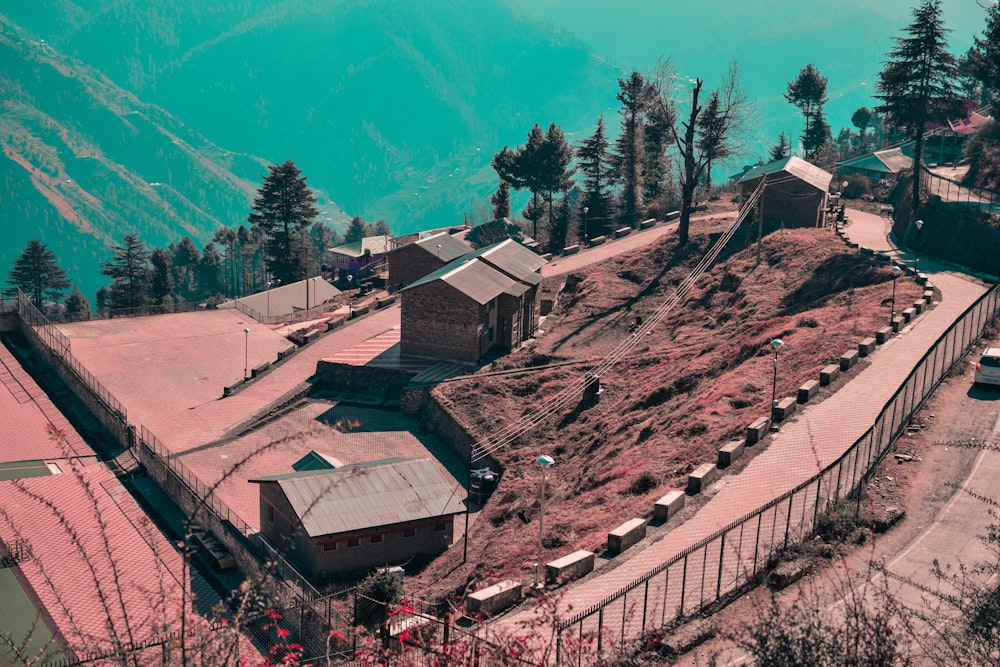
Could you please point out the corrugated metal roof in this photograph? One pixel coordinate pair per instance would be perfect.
(889, 161)
(289, 298)
(368, 495)
(478, 281)
(445, 246)
(513, 259)
(809, 173)
(377, 245)
(316, 461)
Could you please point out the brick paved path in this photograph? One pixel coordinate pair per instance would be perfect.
(818, 435)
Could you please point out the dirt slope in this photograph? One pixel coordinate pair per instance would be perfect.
(700, 377)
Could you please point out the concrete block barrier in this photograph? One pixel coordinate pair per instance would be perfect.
(848, 359)
(757, 430)
(866, 346)
(783, 408)
(897, 323)
(571, 249)
(883, 334)
(909, 315)
(627, 534)
(701, 477)
(622, 231)
(730, 452)
(669, 505)
(569, 567)
(829, 374)
(919, 306)
(598, 240)
(807, 391)
(494, 599)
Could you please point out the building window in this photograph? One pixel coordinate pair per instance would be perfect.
(409, 532)
(440, 528)
(353, 543)
(330, 546)
(491, 334)
(270, 513)
(376, 539)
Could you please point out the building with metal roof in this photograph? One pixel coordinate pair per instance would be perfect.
(795, 193)
(359, 516)
(414, 260)
(280, 300)
(359, 258)
(878, 165)
(482, 301)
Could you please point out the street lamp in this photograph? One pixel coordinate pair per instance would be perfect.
(919, 225)
(268, 298)
(892, 313)
(544, 461)
(776, 344)
(350, 298)
(586, 229)
(246, 353)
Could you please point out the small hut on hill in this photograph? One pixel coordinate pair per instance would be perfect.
(795, 192)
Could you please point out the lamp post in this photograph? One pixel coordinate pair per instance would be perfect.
(246, 353)
(586, 228)
(919, 225)
(438, 246)
(544, 461)
(892, 313)
(776, 344)
(268, 298)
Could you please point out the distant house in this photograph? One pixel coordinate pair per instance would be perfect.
(795, 193)
(360, 516)
(412, 261)
(485, 300)
(286, 299)
(360, 258)
(878, 165)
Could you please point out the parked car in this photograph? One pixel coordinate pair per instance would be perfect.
(988, 367)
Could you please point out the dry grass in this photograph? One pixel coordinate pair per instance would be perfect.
(699, 379)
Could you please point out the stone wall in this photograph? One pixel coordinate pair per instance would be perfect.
(439, 321)
(380, 383)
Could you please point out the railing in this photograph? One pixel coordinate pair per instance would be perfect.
(290, 318)
(732, 557)
(951, 191)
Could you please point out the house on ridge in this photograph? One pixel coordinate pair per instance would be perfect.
(485, 300)
(360, 516)
(412, 261)
(879, 165)
(795, 192)
(361, 258)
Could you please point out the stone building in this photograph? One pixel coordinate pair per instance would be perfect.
(485, 300)
(412, 261)
(795, 193)
(357, 517)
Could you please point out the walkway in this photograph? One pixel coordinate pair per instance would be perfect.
(816, 437)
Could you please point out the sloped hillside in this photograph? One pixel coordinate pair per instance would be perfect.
(697, 381)
(84, 162)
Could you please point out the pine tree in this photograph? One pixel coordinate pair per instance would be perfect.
(981, 63)
(524, 169)
(161, 286)
(38, 275)
(807, 91)
(713, 139)
(130, 274)
(595, 164)
(209, 273)
(77, 305)
(817, 136)
(501, 202)
(629, 157)
(284, 206)
(555, 169)
(657, 166)
(356, 230)
(861, 119)
(918, 83)
(782, 149)
(186, 257)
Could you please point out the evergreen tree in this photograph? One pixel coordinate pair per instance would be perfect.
(595, 164)
(38, 275)
(356, 230)
(807, 91)
(501, 202)
(555, 169)
(162, 277)
(982, 62)
(559, 226)
(524, 169)
(77, 305)
(713, 140)
(130, 274)
(321, 239)
(917, 84)
(284, 206)
(656, 168)
(782, 149)
(861, 119)
(227, 238)
(209, 273)
(381, 228)
(629, 157)
(185, 266)
(817, 136)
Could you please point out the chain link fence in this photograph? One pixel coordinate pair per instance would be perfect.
(733, 557)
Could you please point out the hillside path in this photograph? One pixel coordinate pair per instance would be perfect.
(811, 440)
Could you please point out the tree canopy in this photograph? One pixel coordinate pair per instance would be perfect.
(283, 207)
(917, 85)
(38, 275)
(130, 274)
(807, 91)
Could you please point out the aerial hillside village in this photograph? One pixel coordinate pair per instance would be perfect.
(626, 425)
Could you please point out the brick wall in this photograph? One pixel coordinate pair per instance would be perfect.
(409, 264)
(439, 321)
